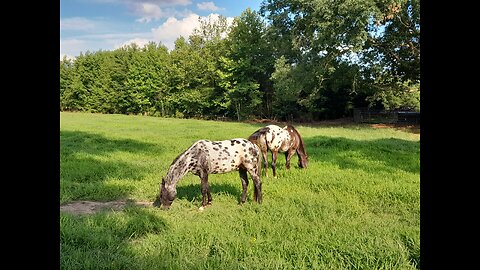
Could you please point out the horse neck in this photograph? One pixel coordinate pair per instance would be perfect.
(301, 149)
(178, 169)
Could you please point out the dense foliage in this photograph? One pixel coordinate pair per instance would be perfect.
(292, 60)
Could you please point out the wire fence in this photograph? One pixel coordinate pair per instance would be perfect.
(365, 115)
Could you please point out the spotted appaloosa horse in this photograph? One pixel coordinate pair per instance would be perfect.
(277, 139)
(206, 157)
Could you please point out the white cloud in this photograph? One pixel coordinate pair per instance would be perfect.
(172, 29)
(170, 2)
(163, 2)
(139, 41)
(149, 12)
(72, 47)
(152, 10)
(76, 24)
(208, 6)
(159, 2)
(92, 43)
(69, 57)
(166, 34)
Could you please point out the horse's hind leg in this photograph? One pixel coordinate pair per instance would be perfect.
(274, 163)
(244, 178)
(205, 190)
(257, 192)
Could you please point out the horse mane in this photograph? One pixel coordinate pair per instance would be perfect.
(301, 147)
(176, 159)
(177, 168)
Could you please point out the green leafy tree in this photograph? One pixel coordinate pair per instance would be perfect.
(323, 31)
(313, 60)
(145, 84)
(190, 85)
(248, 65)
(323, 34)
(286, 92)
(209, 41)
(101, 93)
(66, 80)
(397, 48)
(77, 92)
(395, 52)
(155, 86)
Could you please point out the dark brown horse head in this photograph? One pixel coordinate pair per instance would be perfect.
(299, 146)
(302, 161)
(165, 197)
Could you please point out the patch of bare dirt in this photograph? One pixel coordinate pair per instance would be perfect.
(92, 207)
(336, 122)
(404, 127)
(262, 121)
(344, 122)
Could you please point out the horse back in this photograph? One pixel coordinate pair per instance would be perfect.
(299, 145)
(259, 138)
(229, 155)
(277, 138)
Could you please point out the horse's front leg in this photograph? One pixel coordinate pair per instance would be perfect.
(244, 178)
(288, 156)
(274, 163)
(205, 190)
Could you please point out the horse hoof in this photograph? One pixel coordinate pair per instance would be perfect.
(201, 208)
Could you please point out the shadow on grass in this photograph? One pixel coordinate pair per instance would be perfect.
(84, 168)
(79, 141)
(386, 154)
(194, 191)
(102, 241)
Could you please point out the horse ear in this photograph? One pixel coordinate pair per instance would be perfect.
(163, 180)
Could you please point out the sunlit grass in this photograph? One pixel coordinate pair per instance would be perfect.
(357, 206)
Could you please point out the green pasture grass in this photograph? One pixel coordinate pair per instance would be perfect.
(356, 206)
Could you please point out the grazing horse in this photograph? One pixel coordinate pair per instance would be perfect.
(277, 139)
(206, 157)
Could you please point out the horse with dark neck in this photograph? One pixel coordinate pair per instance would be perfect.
(277, 139)
(206, 157)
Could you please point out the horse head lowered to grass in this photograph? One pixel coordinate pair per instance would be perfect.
(206, 157)
(277, 139)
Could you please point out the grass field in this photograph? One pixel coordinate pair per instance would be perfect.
(357, 206)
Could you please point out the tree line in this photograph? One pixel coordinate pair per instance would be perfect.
(291, 60)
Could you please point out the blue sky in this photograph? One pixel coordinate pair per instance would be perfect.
(92, 25)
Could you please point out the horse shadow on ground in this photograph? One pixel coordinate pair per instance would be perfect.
(388, 154)
(194, 192)
(85, 166)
